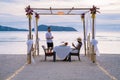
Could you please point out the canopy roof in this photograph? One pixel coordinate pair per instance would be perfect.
(62, 11)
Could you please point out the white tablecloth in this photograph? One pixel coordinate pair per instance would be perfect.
(62, 51)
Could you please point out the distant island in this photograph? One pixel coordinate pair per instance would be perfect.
(5, 28)
(40, 28)
(55, 28)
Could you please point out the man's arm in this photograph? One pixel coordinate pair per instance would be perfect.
(48, 36)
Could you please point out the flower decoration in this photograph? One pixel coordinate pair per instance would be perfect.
(37, 15)
(93, 10)
(29, 11)
(82, 16)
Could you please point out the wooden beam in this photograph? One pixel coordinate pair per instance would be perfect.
(70, 10)
(57, 14)
(62, 8)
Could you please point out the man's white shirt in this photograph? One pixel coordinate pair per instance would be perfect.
(49, 35)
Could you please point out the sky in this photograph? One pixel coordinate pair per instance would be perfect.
(12, 12)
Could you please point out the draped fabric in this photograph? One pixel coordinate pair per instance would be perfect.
(29, 45)
(95, 42)
(89, 30)
(29, 48)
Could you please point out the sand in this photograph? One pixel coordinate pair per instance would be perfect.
(59, 70)
(9, 64)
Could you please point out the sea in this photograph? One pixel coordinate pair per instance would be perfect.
(15, 42)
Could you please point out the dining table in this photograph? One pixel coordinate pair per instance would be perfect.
(62, 51)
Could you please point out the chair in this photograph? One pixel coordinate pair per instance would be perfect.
(48, 54)
(74, 54)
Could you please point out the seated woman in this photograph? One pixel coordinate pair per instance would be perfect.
(77, 47)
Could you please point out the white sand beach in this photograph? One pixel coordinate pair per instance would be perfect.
(59, 70)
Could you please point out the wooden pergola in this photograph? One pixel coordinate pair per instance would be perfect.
(62, 11)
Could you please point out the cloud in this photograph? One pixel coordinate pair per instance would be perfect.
(108, 16)
(12, 1)
(7, 1)
(108, 19)
(12, 11)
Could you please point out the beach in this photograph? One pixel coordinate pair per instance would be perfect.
(9, 63)
(13, 58)
(12, 68)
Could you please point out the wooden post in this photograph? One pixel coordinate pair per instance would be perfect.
(29, 14)
(84, 29)
(29, 37)
(88, 45)
(93, 37)
(93, 12)
(37, 39)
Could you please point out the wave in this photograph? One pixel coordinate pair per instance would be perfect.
(108, 38)
(12, 41)
(59, 36)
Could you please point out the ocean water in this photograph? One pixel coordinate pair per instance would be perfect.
(14, 42)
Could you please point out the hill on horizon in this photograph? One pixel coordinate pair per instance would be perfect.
(6, 28)
(40, 28)
(55, 28)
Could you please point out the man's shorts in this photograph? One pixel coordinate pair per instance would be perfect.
(50, 45)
